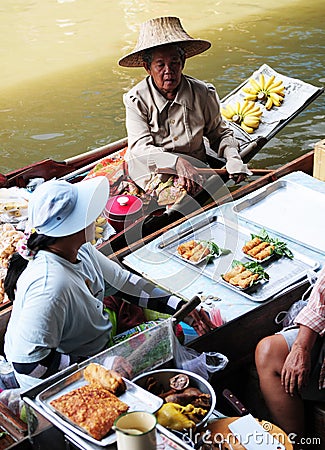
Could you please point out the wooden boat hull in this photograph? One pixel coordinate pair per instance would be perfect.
(76, 168)
(237, 340)
(304, 163)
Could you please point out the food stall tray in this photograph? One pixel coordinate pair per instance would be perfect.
(134, 396)
(229, 235)
(287, 208)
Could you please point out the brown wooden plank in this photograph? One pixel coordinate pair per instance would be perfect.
(49, 168)
(10, 421)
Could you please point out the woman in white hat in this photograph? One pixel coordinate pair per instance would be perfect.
(169, 115)
(58, 315)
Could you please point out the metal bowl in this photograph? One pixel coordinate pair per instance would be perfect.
(164, 375)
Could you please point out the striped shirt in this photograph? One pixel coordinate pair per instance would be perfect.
(313, 315)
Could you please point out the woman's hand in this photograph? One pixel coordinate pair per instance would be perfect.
(188, 176)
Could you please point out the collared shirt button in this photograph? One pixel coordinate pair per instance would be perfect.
(172, 121)
(176, 138)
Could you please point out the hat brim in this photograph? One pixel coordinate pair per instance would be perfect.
(92, 196)
(191, 47)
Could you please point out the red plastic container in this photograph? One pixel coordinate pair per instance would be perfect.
(122, 210)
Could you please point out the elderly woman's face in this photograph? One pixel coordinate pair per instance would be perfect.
(166, 70)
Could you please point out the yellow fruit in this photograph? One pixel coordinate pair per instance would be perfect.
(100, 221)
(99, 229)
(245, 107)
(247, 129)
(249, 90)
(276, 84)
(269, 82)
(237, 108)
(255, 84)
(250, 97)
(277, 99)
(249, 108)
(227, 113)
(256, 111)
(251, 121)
(269, 103)
(278, 90)
(262, 81)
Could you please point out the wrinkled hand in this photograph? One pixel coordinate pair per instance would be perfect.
(188, 176)
(122, 367)
(238, 177)
(296, 370)
(200, 321)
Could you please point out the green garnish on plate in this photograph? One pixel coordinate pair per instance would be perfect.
(215, 250)
(254, 267)
(280, 247)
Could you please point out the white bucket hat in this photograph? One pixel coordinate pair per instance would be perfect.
(57, 208)
(163, 31)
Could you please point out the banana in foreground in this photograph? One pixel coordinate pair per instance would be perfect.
(100, 224)
(268, 91)
(246, 114)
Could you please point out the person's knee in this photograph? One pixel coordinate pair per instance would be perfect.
(271, 352)
(264, 351)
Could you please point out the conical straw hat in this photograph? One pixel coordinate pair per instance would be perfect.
(162, 31)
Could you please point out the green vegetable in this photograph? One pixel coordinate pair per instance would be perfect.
(280, 247)
(215, 250)
(23, 414)
(253, 267)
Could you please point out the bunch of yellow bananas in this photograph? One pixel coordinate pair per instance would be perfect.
(246, 114)
(270, 92)
(99, 228)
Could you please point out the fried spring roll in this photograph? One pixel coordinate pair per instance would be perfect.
(264, 253)
(187, 246)
(246, 282)
(234, 271)
(199, 253)
(258, 248)
(241, 276)
(250, 244)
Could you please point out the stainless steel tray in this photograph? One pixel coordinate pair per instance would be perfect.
(283, 271)
(134, 396)
(294, 211)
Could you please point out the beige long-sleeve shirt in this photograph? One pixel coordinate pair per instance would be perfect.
(159, 130)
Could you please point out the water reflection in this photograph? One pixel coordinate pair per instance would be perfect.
(61, 90)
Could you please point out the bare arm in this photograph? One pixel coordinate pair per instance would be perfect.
(296, 368)
(188, 176)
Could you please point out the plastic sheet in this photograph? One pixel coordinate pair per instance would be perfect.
(144, 351)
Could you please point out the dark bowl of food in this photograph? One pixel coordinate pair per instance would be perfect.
(189, 399)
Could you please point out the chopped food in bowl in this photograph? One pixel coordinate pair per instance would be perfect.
(189, 399)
